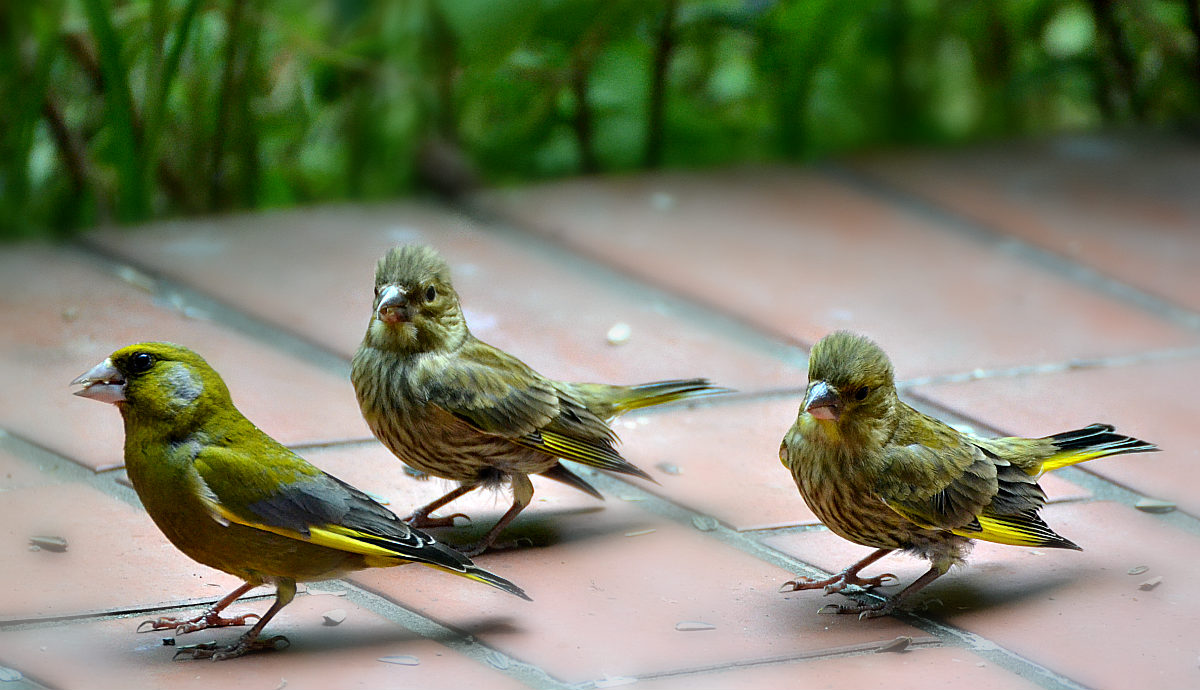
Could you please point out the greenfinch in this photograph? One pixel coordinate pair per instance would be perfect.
(233, 498)
(879, 473)
(452, 406)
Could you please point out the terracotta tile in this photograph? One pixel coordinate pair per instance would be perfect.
(18, 473)
(66, 316)
(608, 596)
(1152, 401)
(110, 654)
(799, 255)
(116, 558)
(1105, 632)
(936, 667)
(553, 316)
(727, 459)
(1126, 206)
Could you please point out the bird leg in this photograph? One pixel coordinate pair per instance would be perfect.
(420, 517)
(888, 606)
(285, 591)
(211, 618)
(522, 495)
(844, 579)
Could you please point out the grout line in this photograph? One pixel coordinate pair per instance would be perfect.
(638, 287)
(814, 655)
(123, 612)
(748, 542)
(1054, 368)
(983, 231)
(459, 641)
(54, 465)
(193, 303)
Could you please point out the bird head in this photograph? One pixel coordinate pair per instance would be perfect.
(416, 308)
(155, 381)
(850, 382)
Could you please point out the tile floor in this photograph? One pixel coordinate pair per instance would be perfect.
(1020, 289)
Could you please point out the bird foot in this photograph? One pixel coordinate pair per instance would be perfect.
(244, 645)
(422, 521)
(864, 611)
(208, 619)
(473, 550)
(837, 583)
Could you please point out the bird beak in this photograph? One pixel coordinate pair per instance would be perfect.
(393, 305)
(102, 382)
(823, 401)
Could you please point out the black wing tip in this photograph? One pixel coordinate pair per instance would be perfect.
(1061, 542)
(634, 471)
(498, 582)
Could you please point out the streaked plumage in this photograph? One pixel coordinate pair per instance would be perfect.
(233, 498)
(452, 406)
(879, 473)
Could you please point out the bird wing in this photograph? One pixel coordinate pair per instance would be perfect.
(498, 394)
(944, 488)
(277, 491)
(945, 481)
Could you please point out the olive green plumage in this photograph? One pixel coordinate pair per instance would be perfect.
(452, 406)
(879, 473)
(233, 498)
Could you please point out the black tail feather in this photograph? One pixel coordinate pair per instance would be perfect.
(560, 473)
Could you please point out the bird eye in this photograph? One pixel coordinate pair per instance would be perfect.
(862, 393)
(141, 362)
(430, 293)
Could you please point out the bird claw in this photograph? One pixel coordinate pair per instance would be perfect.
(210, 650)
(185, 626)
(864, 611)
(835, 584)
(796, 585)
(841, 582)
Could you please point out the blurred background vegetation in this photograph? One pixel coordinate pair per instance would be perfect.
(126, 110)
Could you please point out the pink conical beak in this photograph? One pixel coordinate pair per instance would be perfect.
(823, 401)
(102, 382)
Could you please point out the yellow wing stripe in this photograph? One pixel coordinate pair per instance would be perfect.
(564, 447)
(1014, 530)
(1003, 532)
(331, 536)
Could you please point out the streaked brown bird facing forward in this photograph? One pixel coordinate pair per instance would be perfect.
(452, 406)
(879, 473)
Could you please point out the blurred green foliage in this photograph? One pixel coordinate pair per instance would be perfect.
(127, 110)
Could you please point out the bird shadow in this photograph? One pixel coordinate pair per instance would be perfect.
(544, 528)
(982, 591)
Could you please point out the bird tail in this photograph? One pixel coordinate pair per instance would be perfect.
(562, 474)
(1088, 443)
(659, 392)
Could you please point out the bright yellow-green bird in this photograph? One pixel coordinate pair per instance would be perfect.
(233, 498)
(452, 406)
(879, 473)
